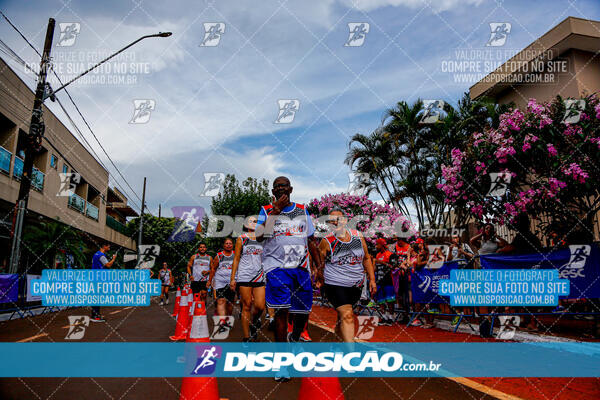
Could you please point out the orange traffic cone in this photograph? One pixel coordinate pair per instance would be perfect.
(182, 318)
(177, 300)
(199, 327)
(320, 388)
(195, 298)
(200, 387)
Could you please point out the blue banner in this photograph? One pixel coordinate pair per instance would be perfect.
(425, 283)
(220, 359)
(580, 264)
(9, 288)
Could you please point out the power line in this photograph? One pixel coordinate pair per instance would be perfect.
(76, 107)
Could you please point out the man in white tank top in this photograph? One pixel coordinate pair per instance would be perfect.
(198, 269)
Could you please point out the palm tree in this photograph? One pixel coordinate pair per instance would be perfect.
(49, 238)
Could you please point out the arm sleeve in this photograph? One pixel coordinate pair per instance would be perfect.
(310, 228)
(262, 217)
(103, 260)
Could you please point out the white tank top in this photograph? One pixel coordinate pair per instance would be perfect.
(201, 263)
(223, 272)
(344, 264)
(250, 267)
(165, 276)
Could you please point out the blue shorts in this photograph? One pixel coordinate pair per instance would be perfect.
(385, 294)
(289, 288)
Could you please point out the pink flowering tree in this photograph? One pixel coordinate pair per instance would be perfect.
(549, 162)
(380, 220)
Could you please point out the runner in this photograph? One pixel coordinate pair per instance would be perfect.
(166, 279)
(248, 275)
(220, 276)
(198, 269)
(287, 232)
(385, 296)
(344, 251)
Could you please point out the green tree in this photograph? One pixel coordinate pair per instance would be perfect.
(46, 241)
(157, 231)
(236, 199)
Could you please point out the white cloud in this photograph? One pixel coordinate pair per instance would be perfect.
(436, 6)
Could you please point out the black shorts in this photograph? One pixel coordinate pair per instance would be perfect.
(250, 284)
(341, 295)
(226, 293)
(198, 286)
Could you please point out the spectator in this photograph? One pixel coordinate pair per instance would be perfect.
(402, 250)
(458, 250)
(99, 261)
(525, 241)
(385, 295)
(487, 241)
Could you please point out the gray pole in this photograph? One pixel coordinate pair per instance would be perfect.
(139, 243)
(159, 211)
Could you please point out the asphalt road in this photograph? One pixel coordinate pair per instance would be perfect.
(155, 324)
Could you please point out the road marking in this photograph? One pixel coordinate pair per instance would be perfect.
(118, 311)
(463, 381)
(29, 339)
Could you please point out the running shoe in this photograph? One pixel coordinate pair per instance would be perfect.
(271, 324)
(427, 326)
(167, 302)
(161, 303)
(304, 336)
(282, 376)
(559, 309)
(97, 319)
(416, 322)
(433, 311)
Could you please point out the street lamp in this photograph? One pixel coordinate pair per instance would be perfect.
(36, 133)
(160, 34)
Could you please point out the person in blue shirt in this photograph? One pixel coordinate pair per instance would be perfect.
(99, 261)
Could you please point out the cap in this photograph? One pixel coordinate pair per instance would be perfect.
(381, 241)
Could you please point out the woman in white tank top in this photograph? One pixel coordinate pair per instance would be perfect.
(248, 276)
(347, 260)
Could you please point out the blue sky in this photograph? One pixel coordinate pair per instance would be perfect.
(215, 106)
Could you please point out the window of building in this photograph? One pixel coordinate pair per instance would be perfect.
(65, 168)
(53, 161)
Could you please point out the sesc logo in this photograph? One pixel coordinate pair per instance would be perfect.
(424, 286)
(207, 356)
(575, 267)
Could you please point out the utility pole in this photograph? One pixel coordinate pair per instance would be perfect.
(139, 243)
(159, 211)
(32, 146)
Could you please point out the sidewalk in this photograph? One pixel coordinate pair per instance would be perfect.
(525, 388)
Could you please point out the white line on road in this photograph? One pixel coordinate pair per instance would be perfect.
(29, 339)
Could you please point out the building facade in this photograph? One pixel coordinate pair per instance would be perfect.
(87, 203)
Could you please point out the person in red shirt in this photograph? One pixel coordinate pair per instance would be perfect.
(401, 249)
(385, 296)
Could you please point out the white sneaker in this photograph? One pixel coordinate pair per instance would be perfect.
(161, 303)
(167, 302)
